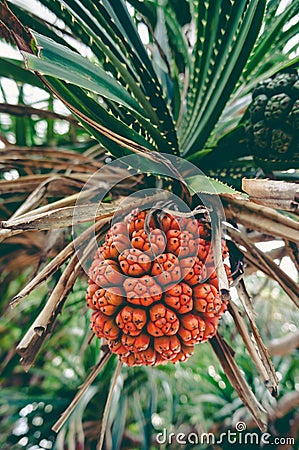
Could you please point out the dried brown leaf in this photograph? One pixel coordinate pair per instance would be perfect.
(293, 253)
(238, 381)
(64, 217)
(25, 110)
(56, 184)
(261, 260)
(261, 357)
(59, 218)
(64, 202)
(57, 262)
(260, 218)
(217, 249)
(43, 324)
(272, 193)
(16, 29)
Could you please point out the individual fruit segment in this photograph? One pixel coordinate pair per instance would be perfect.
(203, 230)
(104, 326)
(105, 300)
(212, 275)
(134, 262)
(105, 273)
(210, 329)
(131, 320)
(193, 270)
(136, 221)
(168, 222)
(108, 301)
(114, 246)
(153, 243)
(153, 288)
(116, 346)
(179, 297)
(166, 269)
(192, 329)
(168, 347)
(185, 353)
(136, 343)
(163, 321)
(203, 249)
(210, 259)
(148, 357)
(207, 300)
(181, 243)
(91, 290)
(142, 291)
(198, 228)
(132, 359)
(195, 227)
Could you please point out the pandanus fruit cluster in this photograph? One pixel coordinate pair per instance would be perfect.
(153, 287)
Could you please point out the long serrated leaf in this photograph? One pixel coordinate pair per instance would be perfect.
(206, 185)
(96, 118)
(211, 20)
(211, 30)
(229, 68)
(15, 70)
(229, 63)
(122, 18)
(26, 15)
(154, 90)
(269, 39)
(96, 32)
(123, 47)
(58, 61)
(177, 40)
(116, 136)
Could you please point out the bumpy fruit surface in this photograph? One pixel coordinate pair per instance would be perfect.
(273, 125)
(268, 132)
(153, 288)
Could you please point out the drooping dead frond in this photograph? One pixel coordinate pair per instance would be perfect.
(275, 194)
(56, 262)
(237, 380)
(259, 351)
(259, 259)
(260, 218)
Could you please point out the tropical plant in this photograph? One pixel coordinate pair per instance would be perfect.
(168, 82)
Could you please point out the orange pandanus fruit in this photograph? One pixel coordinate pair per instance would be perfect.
(153, 288)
